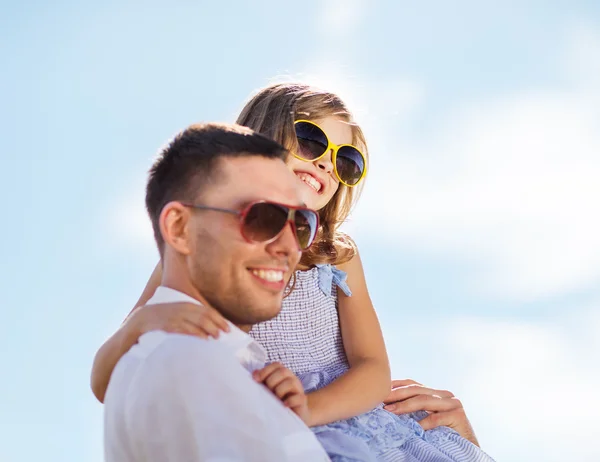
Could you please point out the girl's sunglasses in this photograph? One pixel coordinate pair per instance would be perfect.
(349, 164)
(263, 221)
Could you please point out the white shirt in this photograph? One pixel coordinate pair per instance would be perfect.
(178, 398)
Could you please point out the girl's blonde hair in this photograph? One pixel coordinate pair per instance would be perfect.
(272, 112)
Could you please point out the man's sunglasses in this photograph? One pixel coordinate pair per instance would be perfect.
(263, 221)
(349, 164)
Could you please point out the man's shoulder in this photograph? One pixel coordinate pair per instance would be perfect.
(184, 363)
(159, 346)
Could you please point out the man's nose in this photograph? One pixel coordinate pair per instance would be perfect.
(286, 244)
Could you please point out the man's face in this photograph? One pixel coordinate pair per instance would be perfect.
(227, 270)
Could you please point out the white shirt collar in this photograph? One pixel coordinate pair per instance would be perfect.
(250, 353)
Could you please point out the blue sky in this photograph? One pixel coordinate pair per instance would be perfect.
(478, 225)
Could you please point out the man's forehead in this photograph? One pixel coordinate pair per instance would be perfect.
(258, 178)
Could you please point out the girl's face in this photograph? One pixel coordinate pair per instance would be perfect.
(318, 176)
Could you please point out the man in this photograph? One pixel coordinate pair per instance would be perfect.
(180, 398)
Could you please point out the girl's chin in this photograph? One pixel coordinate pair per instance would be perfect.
(314, 204)
(319, 205)
(316, 200)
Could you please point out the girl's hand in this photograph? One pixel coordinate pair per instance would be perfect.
(182, 318)
(286, 386)
(443, 407)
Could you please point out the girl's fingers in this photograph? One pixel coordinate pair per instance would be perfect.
(205, 311)
(187, 329)
(261, 374)
(204, 316)
(207, 325)
(220, 321)
(285, 388)
(275, 378)
(295, 400)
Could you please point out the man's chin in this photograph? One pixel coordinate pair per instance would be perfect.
(253, 305)
(268, 314)
(261, 311)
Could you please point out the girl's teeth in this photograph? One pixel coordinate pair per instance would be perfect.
(309, 180)
(269, 275)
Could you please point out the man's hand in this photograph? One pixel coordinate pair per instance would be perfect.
(182, 318)
(286, 386)
(443, 407)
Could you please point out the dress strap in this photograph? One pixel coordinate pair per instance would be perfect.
(328, 275)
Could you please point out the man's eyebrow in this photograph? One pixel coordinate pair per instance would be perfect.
(243, 204)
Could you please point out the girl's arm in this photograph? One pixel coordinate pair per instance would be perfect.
(185, 318)
(120, 342)
(151, 286)
(368, 381)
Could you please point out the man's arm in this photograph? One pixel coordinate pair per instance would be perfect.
(443, 407)
(192, 401)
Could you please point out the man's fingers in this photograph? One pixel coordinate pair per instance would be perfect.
(403, 392)
(403, 383)
(408, 391)
(455, 419)
(435, 420)
(430, 403)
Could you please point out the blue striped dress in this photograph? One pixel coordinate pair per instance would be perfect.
(306, 338)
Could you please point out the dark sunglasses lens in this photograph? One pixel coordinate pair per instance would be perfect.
(306, 227)
(264, 221)
(350, 165)
(312, 142)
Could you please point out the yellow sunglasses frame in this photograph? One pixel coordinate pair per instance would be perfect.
(334, 148)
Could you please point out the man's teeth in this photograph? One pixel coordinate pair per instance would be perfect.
(309, 180)
(269, 275)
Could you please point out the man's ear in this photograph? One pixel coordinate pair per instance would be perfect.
(174, 224)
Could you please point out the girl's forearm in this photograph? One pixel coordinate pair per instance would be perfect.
(120, 342)
(359, 390)
(108, 356)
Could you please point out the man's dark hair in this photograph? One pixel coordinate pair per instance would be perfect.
(190, 161)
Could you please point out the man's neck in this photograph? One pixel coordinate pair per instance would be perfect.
(181, 286)
(242, 327)
(185, 287)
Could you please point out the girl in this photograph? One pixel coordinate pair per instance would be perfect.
(327, 332)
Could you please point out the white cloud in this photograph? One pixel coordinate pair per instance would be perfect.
(508, 184)
(514, 186)
(530, 389)
(582, 57)
(339, 18)
(128, 222)
(537, 384)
